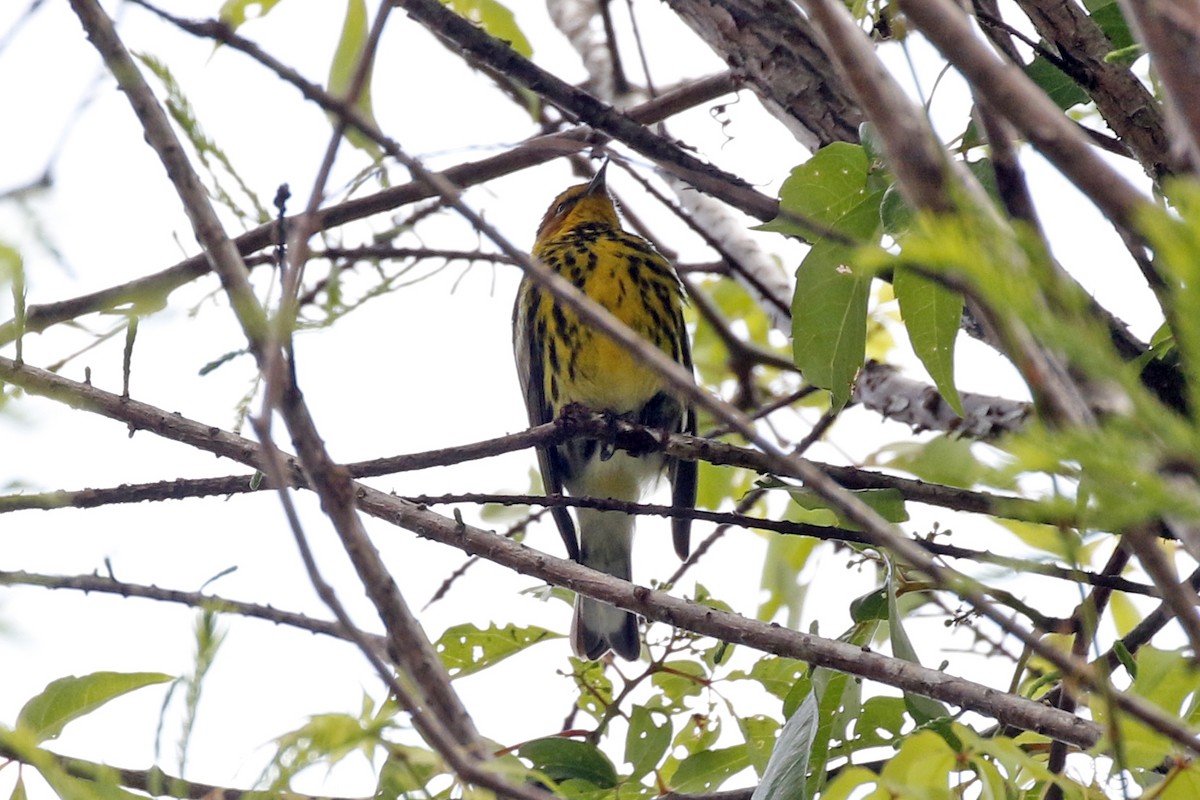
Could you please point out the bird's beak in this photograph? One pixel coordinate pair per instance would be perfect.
(598, 186)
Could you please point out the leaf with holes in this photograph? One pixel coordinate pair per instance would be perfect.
(646, 741)
(466, 649)
(706, 770)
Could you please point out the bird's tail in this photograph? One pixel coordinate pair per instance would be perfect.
(605, 543)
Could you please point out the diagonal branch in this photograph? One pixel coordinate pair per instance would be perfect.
(99, 583)
(438, 714)
(152, 290)
(1125, 103)
(153, 781)
(1007, 90)
(1170, 30)
(583, 107)
(783, 60)
(730, 627)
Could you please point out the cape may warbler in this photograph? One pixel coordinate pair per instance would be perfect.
(561, 360)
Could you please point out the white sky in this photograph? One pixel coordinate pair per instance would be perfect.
(420, 369)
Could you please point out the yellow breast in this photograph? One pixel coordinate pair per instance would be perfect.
(585, 366)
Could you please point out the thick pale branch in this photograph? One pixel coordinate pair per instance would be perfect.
(882, 388)
(783, 60)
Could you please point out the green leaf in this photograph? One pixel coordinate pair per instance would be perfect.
(1107, 15)
(326, 739)
(234, 12)
(1166, 678)
(212, 158)
(466, 649)
(932, 314)
(760, 732)
(595, 688)
(1182, 782)
(923, 709)
(1063, 543)
(829, 307)
(679, 679)
(707, 770)
(850, 782)
(894, 213)
(646, 741)
(786, 557)
(72, 697)
(494, 18)
(1176, 240)
(351, 49)
(101, 782)
(829, 319)
(12, 270)
(872, 605)
(839, 700)
(408, 770)
(1055, 83)
(717, 484)
(1125, 657)
(787, 771)
(921, 768)
(776, 674)
(945, 459)
(827, 189)
(698, 733)
(562, 759)
(881, 722)
(887, 503)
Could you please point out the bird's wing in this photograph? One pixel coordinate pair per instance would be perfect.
(683, 474)
(683, 492)
(530, 366)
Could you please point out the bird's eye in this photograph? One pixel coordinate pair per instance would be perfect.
(563, 206)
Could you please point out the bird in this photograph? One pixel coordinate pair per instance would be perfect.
(562, 360)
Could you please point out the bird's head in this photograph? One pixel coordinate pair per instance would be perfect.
(579, 205)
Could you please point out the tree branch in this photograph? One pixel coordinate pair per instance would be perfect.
(198, 600)
(1006, 89)
(1170, 30)
(445, 716)
(153, 781)
(783, 60)
(1125, 103)
(151, 291)
(1011, 710)
(883, 389)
